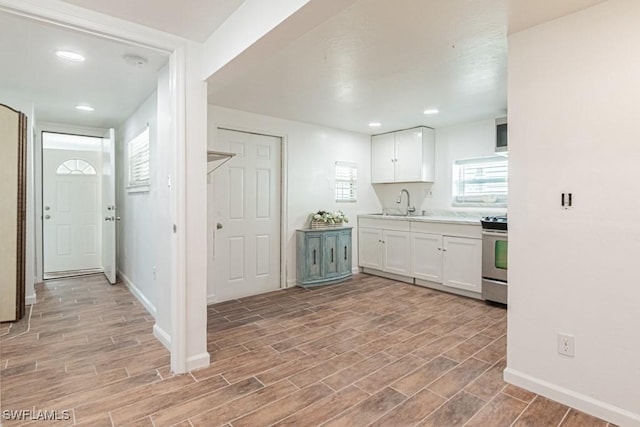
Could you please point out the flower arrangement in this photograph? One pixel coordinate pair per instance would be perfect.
(328, 219)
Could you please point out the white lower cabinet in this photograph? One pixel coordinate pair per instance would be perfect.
(370, 248)
(426, 260)
(396, 252)
(447, 257)
(453, 261)
(462, 263)
(385, 250)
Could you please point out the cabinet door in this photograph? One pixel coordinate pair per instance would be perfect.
(426, 256)
(462, 266)
(330, 254)
(397, 252)
(313, 257)
(370, 248)
(344, 252)
(409, 156)
(383, 158)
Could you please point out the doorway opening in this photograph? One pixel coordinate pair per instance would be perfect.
(73, 197)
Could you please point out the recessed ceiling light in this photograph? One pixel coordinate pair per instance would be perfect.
(431, 111)
(375, 124)
(69, 56)
(84, 107)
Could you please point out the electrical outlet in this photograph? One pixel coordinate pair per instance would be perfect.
(566, 345)
(428, 193)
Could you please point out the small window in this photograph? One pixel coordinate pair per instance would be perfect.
(138, 151)
(76, 167)
(346, 182)
(480, 181)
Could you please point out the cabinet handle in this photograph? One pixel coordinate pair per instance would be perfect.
(331, 254)
(439, 249)
(345, 252)
(314, 257)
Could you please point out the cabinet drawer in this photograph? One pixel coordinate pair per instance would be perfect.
(384, 224)
(447, 229)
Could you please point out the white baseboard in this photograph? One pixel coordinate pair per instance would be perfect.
(211, 299)
(198, 361)
(138, 294)
(584, 403)
(162, 336)
(291, 283)
(30, 299)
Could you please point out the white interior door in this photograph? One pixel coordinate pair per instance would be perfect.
(246, 216)
(71, 202)
(109, 213)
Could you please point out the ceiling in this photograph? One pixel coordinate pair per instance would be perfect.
(104, 80)
(190, 19)
(387, 62)
(375, 60)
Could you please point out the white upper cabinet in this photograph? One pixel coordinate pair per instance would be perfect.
(403, 156)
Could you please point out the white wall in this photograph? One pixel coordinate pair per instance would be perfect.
(138, 237)
(573, 127)
(311, 153)
(463, 141)
(164, 169)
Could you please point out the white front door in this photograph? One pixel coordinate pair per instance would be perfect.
(109, 214)
(245, 216)
(72, 207)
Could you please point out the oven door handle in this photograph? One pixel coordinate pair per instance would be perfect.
(494, 233)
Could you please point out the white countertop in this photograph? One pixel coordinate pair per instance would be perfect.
(428, 218)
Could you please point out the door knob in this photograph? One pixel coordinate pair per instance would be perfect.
(218, 226)
(47, 216)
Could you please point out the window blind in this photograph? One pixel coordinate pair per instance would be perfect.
(346, 182)
(481, 181)
(139, 160)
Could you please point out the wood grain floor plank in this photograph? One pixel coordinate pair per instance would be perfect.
(292, 357)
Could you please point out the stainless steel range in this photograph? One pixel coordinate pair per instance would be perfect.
(494, 258)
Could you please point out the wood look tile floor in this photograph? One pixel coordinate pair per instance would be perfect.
(370, 351)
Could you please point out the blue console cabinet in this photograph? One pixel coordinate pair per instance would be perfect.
(323, 256)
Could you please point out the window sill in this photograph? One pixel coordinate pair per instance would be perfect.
(139, 189)
(479, 205)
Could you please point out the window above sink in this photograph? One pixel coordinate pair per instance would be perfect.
(481, 181)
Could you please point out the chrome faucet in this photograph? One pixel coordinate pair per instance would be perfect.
(410, 209)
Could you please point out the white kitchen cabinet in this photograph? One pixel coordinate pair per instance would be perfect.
(454, 261)
(396, 252)
(385, 250)
(403, 156)
(370, 248)
(383, 154)
(462, 263)
(426, 259)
